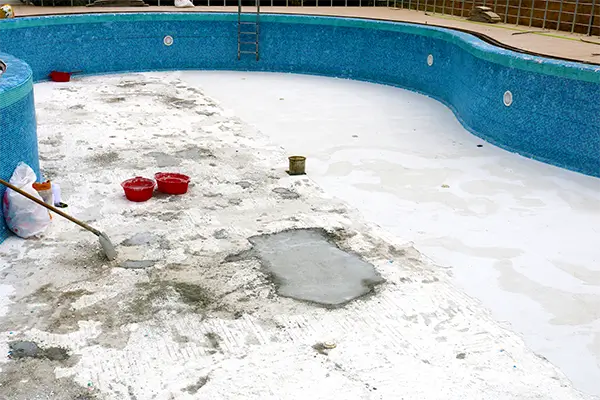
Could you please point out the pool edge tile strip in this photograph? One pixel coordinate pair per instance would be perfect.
(16, 82)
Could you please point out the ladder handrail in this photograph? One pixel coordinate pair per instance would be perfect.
(256, 30)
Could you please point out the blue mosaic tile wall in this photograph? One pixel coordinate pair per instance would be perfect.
(554, 117)
(18, 137)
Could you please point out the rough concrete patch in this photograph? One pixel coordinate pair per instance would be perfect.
(198, 91)
(26, 349)
(193, 389)
(396, 252)
(34, 379)
(56, 354)
(142, 305)
(195, 153)
(85, 396)
(63, 319)
(168, 216)
(179, 338)
(148, 294)
(44, 293)
(131, 84)
(58, 315)
(131, 393)
(48, 294)
(338, 236)
(177, 102)
(286, 193)
(115, 100)
(141, 239)
(206, 113)
(305, 264)
(84, 255)
(169, 198)
(53, 141)
(53, 311)
(220, 234)
(337, 211)
(105, 159)
(58, 157)
(137, 264)
(164, 159)
(50, 174)
(213, 340)
(241, 256)
(193, 295)
(244, 184)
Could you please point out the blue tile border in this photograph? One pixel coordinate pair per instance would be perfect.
(468, 42)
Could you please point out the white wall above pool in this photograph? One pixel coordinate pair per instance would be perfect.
(520, 235)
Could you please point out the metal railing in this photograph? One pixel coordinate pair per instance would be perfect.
(575, 16)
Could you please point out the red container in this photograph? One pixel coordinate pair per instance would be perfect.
(57, 76)
(172, 183)
(60, 76)
(138, 189)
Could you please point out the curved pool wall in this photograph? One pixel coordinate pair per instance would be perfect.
(18, 137)
(554, 116)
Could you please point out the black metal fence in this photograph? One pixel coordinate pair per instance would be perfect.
(575, 16)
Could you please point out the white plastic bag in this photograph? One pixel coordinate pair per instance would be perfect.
(24, 217)
(183, 4)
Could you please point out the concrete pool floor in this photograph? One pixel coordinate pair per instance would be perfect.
(517, 234)
(197, 324)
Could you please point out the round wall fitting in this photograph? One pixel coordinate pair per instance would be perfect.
(430, 60)
(507, 98)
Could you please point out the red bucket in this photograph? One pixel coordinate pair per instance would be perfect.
(58, 76)
(172, 183)
(138, 189)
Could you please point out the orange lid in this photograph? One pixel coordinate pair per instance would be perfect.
(42, 186)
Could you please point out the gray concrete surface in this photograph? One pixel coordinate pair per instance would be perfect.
(306, 265)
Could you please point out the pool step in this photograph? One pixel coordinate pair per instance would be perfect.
(248, 37)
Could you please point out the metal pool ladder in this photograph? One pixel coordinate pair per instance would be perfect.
(248, 31)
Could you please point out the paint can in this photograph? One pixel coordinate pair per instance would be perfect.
(297, 165)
